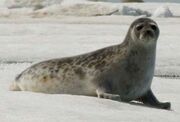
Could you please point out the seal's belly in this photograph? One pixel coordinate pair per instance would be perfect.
(68, 83)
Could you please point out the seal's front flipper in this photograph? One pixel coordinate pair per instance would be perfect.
(102, 94)
(150, 99)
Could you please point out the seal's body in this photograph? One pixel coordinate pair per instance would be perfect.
(122, 72)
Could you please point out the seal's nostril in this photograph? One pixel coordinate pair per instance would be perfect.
(148, 32)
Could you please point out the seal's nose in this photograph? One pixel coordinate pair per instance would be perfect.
(149, 32)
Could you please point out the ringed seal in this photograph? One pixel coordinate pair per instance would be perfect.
(121, 72)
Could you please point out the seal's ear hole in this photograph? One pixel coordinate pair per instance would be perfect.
(139, 27)
(154, 27)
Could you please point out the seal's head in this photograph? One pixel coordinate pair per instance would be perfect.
(144, 30)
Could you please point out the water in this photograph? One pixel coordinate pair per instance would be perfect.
(172, 1)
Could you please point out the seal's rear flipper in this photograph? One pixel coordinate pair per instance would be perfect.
(14, 87)
(101, 94)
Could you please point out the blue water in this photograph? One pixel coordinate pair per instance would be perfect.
(171, 1)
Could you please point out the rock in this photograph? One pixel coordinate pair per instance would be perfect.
(163, 11)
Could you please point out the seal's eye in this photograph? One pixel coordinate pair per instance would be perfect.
(154, 27)
(139, 27)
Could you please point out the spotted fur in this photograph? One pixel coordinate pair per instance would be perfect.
(124, 70)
